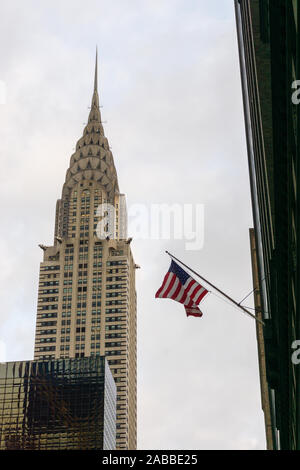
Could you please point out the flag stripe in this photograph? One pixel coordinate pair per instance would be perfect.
(158, 293)
(198, 295)
(177, 291)
(166, 284)
(201, 296)
(189, 286)
(184, 296)
(168, 289)
(179, 295)
(189, 302)
(189, 314)
(193, 312)
(174, 288)
(193, 290)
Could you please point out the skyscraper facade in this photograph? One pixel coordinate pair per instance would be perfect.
(269, 51)
(87, 298)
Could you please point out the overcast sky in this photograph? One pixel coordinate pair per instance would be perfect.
(171, 95)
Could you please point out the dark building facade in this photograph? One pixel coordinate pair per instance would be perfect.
(268, 41)
(63, 404)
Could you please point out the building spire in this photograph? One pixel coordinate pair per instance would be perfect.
(92, 159)
(96, 72)
(95, 108)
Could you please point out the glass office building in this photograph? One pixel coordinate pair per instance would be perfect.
(57, 405)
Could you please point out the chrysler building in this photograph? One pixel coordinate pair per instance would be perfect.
(87, 298)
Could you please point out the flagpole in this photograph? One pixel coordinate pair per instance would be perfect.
(218, 290)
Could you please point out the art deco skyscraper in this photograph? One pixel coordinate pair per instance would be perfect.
(87, 299)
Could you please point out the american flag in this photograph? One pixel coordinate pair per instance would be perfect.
(181, 287)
